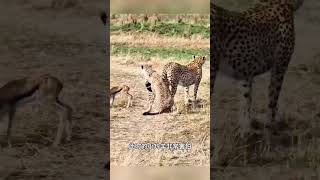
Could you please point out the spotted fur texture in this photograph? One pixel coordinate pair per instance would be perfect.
(250, 43)
(184, 75)
(158, 92)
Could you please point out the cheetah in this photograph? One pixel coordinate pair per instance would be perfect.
(184, 75)
(253, 42)
(160, 99)
(125, 90)
(21, 91)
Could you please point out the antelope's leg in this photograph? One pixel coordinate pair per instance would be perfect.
(60, 130)
(68, 126)
(112, 100)
(11, 113)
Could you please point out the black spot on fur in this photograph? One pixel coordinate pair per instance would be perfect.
(148, 86)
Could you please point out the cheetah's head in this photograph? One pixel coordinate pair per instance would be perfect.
(146, 71)
(199, 60)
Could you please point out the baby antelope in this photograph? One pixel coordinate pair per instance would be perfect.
(117, 89)
(17, 92)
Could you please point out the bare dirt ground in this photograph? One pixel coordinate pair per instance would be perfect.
(67, 43)
(299, 107)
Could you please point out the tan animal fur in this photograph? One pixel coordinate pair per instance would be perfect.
(124, 89)
(16, 91)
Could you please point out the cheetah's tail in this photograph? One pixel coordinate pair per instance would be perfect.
(166, 110)
(150, 113)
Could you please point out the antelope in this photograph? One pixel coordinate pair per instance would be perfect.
(117, 89)
(17, 92)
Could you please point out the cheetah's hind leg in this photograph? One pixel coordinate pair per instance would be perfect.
(245, 107)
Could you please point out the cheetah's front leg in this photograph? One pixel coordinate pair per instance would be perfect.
(195, 92)
(174, 86)
(151, 97)
(276, 80)
(277, 76)
(186, 95)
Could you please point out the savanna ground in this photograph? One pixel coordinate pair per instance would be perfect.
(67, 42)
(156, 40)
(295, 150)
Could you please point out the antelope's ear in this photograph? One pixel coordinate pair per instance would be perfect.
(141, 66)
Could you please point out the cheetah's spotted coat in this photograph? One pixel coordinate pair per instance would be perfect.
(158, 92)
(250, 43)
(184, 75)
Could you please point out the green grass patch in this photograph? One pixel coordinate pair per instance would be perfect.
(163, 53)
(167, 29)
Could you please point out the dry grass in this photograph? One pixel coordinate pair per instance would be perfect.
(154, 40)
(160, 18)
